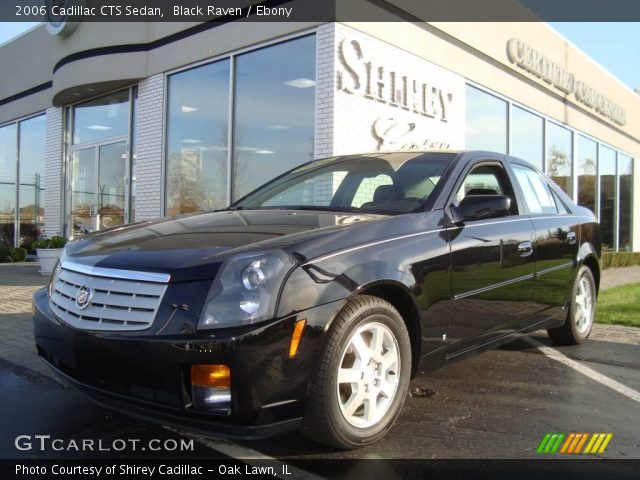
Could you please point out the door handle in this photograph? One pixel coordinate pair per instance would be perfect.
(571, 238)
(525, 248)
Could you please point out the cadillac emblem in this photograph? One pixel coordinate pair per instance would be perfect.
(83, 297)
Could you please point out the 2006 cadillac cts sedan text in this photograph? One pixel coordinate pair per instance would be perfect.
(312, 301)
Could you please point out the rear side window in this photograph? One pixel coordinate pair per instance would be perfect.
(536, 191)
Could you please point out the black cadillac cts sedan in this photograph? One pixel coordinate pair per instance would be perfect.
(312, 301)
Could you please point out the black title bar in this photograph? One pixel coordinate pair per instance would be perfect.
(60, 11)
(258, 469)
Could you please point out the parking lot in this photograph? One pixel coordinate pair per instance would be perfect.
(499, 404)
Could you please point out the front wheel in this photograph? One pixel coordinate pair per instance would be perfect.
(363, 375)
(579, 322)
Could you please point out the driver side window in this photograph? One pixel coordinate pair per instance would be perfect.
(487, 180)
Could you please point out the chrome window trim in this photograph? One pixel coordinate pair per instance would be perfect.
(116, 273)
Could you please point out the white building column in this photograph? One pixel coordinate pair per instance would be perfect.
(149, 151)
(325, 89)
(54, 178)
(635, 222)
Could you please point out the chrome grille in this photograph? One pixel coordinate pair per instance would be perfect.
(118, 300)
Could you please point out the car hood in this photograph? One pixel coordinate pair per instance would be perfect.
(189, 247)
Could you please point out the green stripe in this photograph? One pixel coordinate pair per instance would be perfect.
(558, 443)
(550, 443)
(543, 443)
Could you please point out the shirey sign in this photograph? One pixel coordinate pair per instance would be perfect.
(388, 99)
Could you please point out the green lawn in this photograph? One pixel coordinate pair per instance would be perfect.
(620, 305)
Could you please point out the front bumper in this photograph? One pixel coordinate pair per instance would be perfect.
(148, 375)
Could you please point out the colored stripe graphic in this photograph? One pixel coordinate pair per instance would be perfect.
(581, 443)
(556, 445)
(605, 443)
(543, 443)
(598, 443)
(594, 437)
(574, 444)
(550, 443)
(554, 442)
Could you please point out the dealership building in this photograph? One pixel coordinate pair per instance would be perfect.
(103, 124)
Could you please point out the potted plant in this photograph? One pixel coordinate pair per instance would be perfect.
(49, 250)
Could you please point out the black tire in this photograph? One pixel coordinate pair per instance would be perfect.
(324, 421)
(569, 333)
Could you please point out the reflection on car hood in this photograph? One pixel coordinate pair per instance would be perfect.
(188, 246)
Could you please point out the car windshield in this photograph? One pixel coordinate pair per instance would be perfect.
(390, 183)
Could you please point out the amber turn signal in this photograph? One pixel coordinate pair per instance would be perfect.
(295, 338)
(218, 376)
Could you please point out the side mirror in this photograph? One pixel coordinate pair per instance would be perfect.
(478, 207)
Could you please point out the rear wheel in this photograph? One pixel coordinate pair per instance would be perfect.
(579, 322)
(363, 375)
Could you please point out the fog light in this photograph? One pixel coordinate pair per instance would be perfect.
(295, 338)
(211, 388)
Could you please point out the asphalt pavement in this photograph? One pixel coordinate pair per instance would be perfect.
(498, 404)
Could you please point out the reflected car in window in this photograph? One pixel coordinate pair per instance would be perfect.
(311, 302)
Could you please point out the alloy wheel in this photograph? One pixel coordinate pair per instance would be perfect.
(584, 306)
(368, 375)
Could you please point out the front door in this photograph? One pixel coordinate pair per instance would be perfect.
(98, 187)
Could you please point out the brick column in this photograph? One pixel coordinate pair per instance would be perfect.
(325, 89)
(148, 171)
(53, 178)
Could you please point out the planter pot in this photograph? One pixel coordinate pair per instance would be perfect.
(48, 257)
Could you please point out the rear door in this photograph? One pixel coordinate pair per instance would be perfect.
(493, 262)
(556, 242)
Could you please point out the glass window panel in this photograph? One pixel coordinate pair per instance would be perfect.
(483, 180)
(367, 189)
(527, 132)
(32, 151)
(197, 138)
(274, 112)
(317, 184)
(559, 156)
(112, 162)
(607, 171)
(625, 171)
(587, 162)
(8, 158)
(101, 118)
(537, 193)
(83, 190)
(486, 121)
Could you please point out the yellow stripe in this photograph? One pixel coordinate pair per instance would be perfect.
(567, 442)
(591, 442)
(606, 442)
(598, 442)
(584, 439)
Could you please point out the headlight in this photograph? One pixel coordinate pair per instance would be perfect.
(54, 276)
(246, 290)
